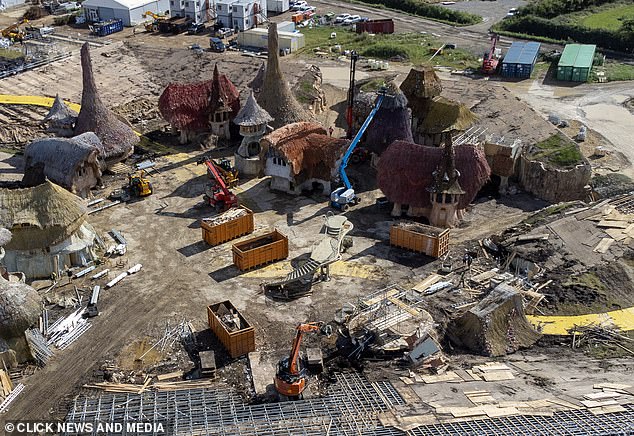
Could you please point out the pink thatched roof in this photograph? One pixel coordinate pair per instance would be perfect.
(405, 172)
(187, 106)
(308, 149)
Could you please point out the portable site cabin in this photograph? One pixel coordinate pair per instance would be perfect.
(520, 59)
(5, 4)
(575, 63)
(130, 11)
(278, 6)
(258, 38)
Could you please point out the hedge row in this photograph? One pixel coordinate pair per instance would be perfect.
(554, 8)
(419, 7)
(537, 26)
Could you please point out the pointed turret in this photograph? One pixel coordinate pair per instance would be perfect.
(117, 137)
(276, 96)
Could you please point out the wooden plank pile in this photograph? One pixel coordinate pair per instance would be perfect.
(150, 385)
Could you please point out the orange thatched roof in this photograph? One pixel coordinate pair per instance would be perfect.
(405, 172)
(308, 149)
(188, 105)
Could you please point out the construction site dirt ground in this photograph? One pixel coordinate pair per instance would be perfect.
(181, 275)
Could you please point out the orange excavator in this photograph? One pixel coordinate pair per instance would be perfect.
(292, 372)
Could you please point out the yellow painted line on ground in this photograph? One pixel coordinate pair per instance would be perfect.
(340, 268)
(34, 100)
(560, 325)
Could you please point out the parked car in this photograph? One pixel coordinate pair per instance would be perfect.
(297, 6)
(307, 9)
(196, 48)
(512, 12)
(216, 45)
(195, 28)
(339, 18)
(352, 19)
(224, 32)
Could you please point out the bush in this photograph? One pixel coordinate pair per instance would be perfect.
(385, 51)
(533, 25)
(555, 8)
(419, 7)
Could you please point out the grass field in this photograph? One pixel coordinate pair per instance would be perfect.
(609, 19)
(409, 47)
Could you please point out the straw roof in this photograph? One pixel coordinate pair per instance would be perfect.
(308, 149)
(421, 83)
(5, 236)
(187, 106)
(258, 80)
(118, 138)
(40, 216)
(60, 114)
(252, 114)
(275, 95)
(59, 158)
(442, 115)
(405, 172)
(392, 122)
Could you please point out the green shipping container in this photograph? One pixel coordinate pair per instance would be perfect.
(575, 63)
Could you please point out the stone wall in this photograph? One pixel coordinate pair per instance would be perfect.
(554, 184)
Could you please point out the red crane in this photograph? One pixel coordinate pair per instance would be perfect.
(490, 61)
(290, 378)
(219, 196)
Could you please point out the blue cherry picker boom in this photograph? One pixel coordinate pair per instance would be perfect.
(342, 197)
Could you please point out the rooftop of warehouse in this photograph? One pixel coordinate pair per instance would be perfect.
(522, 53)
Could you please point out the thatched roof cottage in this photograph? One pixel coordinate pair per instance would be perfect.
(60, 119)
(301, 156)
(71, 163)
(392, 122)
(117, 137)
(20, 309)
(49, 230)
(200, 107)
(406, 176)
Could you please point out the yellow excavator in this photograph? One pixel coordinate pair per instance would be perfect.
(13, 32)
(138, 185)
(152, 26)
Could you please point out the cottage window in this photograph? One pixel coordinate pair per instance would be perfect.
(172, 2)
(219, 7)
(186, 4)
(197, 4)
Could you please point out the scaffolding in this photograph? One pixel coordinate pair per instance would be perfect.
(350, 408)
(569, 422)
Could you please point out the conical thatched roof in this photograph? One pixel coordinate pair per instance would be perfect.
(187, 106)
(118, 139)
(276, 96)
(443, 115)
(258, 80)
(40, 216)
(405, 172)
(252, 114)
(307, 147)
(60, 114)
(421, 83)
(5, 236)
(59, 158)
(392, 122)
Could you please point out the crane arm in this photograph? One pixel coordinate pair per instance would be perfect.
(214, 171)
(355, 141)
(301, 329)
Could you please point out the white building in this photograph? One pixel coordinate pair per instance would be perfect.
(130, 11)
(277, 6)
(177, 8)
(199, 11)
(241, 14)
(259, 38)
(5, 4)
